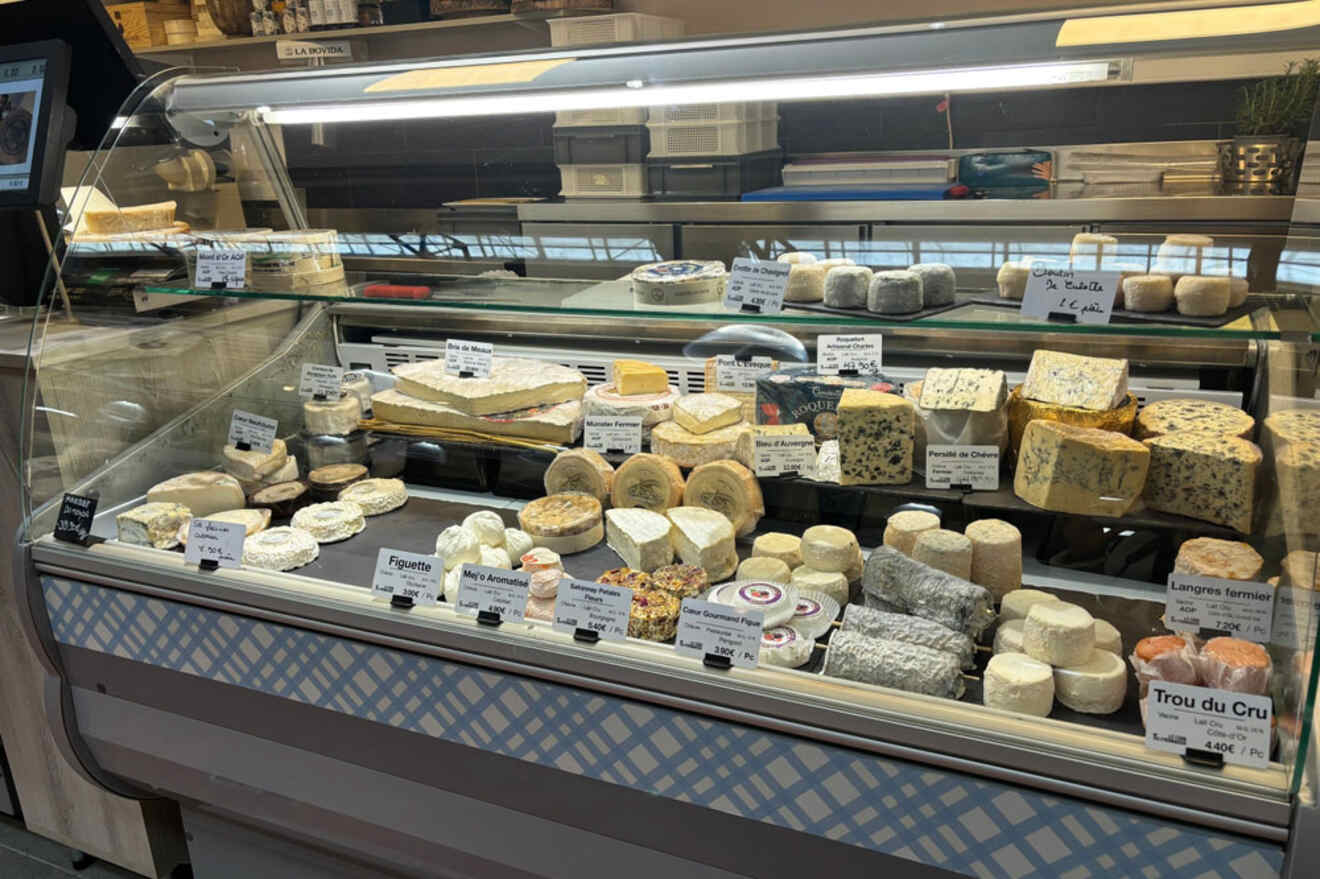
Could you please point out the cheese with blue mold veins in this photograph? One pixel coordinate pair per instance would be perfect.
(875, 438)
(1203, 416)
(1080, 470)
(968, 390)
(1096, 383)
(1204, 476)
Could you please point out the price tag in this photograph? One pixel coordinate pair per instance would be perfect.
(320, 378)
(740, 376)
(257, 431)
(493, 590)
(1236, 725)
(220, 268)
(756, 287)
(706, 628)
(75, 520)
(582, 604)
(215, 541)
(409, 575)
(1295, 613)
(468, 359)
(860, 354)
(1243, 609)
(613, 433)
(777, 455)
(1083, 297)
(976, 466)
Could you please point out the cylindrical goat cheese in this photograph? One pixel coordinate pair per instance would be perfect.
(1016, 682)
(847, 286)
(1150, 293)
(996, 555)
(1201, 296)
(1059, 633)
(902, 529)
(894, 292)
(945, 550)
(938, 283)
(1096, 685)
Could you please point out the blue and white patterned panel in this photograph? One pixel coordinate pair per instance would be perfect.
(957, 822)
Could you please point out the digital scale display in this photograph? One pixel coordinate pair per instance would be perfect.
(21, 84)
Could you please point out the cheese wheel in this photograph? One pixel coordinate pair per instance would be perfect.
(570, 544)
(1008, 637)
(1237, 291)
(581, 471)
(1095, 685)
(847, 286)
(651, 408)
(457, 546)
(894, 292)
(1018, 683)
(902, 529)
(376, 496)
(1108, 638)
(829, 548)
(938, 283)
(1012, 280)
(1018, 603)
(332, 417)
(996, 555)
(831, 583)
(945, 550)
(777, 545)
(1058, 633)
(280, 549)
(729, 488)
(330, 522)
(1236, 665)
(678, 282)
(558, 515)
(1212, 557)
(785, 647)
(806, 283)
(487, 526)
(688, 449)
(764, 568)
(777, 603)
(1150, 293)
(1201, 296)
(652, 482)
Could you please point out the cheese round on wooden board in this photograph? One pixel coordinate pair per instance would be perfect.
(330, 522)
(1008, 637)
(938, 283)
(1016, 682)
(582, 471)
(280, 549)
(903, 528)
(688, 449)
(703, 413)
(1108, 638)
(996, 555)
(1201, 296)
(946, 551)
(829, 548)
(831, 583)
(564, 523)
(1148, 293)
(894, 292)
(203, 493)
(678, 282)
(1212, 557)
(1022, 411)
(778, 545)
(1011, 279)
(487, 526)
(785, 647)
(763, 568)
(1018, 603)
(651, 408)
(457, 546)
(652, 482)
(1203, 416)
(155, 525)
(252, 464)
(1095, 685)
(1058, 633)
(332, 417)
(847, 286)
(376, 496)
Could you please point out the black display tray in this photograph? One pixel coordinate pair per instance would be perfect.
(707, 177)
(602, 145)
(862, 312)
(1123, 316)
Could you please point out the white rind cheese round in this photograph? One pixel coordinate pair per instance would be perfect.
(797, 258)
(332, 417)
(944, 550)
(678, 282)
(1108, 638)
(996, 555)
(280, 549)
(894, 292)
(778, 545)
(1095, 685)
(252, 521)
(1058, 633)
(580, 470)
(702, 413)
(1018, 683)
(777, 603)
(829, 548)
(1008, 637)
(831, 583)
(330, 522)
(1151, 293)
(517, 542)
(640, 537)
(764, 568)
(376, 496)
(253, 465)
(938, 283)
(785, 647)
(688, 449)
(457, 545)
(704, 538)
(651, 408)
(902, 529)
(814, 614)
(570, 544)
(1012, 280)
(203, 493)
(1018, 603)
(487, 526)
(652, 482)
(806, 283)
(847, 286)
(1201, 296)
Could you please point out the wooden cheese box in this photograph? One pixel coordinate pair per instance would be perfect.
(143, 23)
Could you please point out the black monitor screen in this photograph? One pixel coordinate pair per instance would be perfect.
(21, 86)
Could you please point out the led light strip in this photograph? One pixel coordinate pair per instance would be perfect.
(639, 94)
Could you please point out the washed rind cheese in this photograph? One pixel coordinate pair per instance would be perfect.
(911, 630)
(1018, 683)
(651, 408)
(805, 396)
(703, 538)
(968, 390)
(938, 283)
(558, 423)
(1203, 476)
(1022, 411)
(908, 586)
(895, 664)
(252, 464)
(702, 413)
(688, 449)
(729, 488)
(376, 496)
(579, 470)
(1236, 665)
(1078, 470)
(632, 377)
(875, 438)
(155, 525)
(652, 482)
(640, 537)
(1204, 416)
(514, 384)
(1212, 557)
(1095, 383)
(203, 493)
(280, 549)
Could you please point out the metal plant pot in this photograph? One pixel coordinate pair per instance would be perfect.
(1258, 165)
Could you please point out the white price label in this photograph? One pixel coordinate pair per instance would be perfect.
(977, 466)
(600, 608)
(613, 433)
(1241, 608)
(304, 50)
(1236, 725)
(739, 376)
(493, 590)
(709, 629)
(756, 287)
(409, 575)
(472, 358)
(1086, 297)
(777, 455)
(257, 431)
(1295, 614)
(860, 354)
(220, 542)
(226, 266)
(320, 378)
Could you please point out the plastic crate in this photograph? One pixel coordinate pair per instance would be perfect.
(713, 176)
(623, 27)
(747, 111)
(614, 116)
(601, 145)
(710, 138)
(603, 181)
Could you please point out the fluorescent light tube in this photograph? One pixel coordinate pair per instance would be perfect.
(638, 94)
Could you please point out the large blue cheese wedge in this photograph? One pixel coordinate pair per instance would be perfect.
(875, 438)
(1204, 476)
(1079, 470)
(1097, 383)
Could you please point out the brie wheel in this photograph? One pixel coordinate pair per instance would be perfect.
(280, 549)
(328, 523)
(376, 496)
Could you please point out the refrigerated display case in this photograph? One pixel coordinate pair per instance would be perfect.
(847, 674)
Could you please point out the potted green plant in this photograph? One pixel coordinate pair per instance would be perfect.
(1273, 118)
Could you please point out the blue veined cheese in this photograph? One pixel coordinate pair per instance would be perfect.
(1298, 471)
(968, 390)
(1204, 476)
(1079, 470)
(1203, 416)
(875, 438)
(1097, 383)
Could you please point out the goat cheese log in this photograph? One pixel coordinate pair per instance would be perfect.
(895, 664)
(910, 630)
(896, 582)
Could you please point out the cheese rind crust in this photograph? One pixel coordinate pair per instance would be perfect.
(1097, 383)
(894, 664)
(900, 584)
(1079, 470)
(911, 630)
(560, 423)
(1022, 412)
(1015, 682)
